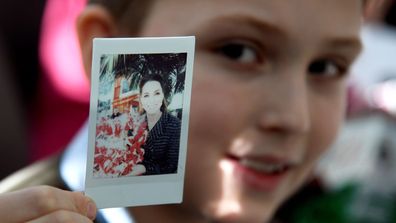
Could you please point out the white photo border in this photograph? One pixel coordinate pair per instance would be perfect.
(141, 190)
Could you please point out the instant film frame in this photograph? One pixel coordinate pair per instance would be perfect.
(117, 66)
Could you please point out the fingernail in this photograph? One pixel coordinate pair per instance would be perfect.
(91, 211)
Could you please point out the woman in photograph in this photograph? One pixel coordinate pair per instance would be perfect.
(161, 149)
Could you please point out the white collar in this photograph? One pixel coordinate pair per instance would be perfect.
(72, 171)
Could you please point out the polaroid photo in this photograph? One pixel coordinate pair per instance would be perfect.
(138, 120)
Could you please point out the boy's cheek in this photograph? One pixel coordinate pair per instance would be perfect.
(326, 123)
(216, 101)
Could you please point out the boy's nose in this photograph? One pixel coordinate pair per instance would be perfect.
(286, 107)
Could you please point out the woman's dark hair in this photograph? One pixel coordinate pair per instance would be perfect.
(154, 77)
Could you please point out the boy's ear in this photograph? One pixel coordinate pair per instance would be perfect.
(94, 21)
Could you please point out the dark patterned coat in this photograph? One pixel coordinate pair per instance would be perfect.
(161, 149)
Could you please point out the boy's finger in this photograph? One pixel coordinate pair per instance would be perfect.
(32, 203)
(62, 216)
(86, 206)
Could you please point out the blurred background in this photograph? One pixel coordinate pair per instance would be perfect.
(44, 100)
(43, 92)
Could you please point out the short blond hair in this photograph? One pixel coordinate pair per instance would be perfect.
(137, 12)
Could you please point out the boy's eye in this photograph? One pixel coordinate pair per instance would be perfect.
(240, 52)
(326, 67)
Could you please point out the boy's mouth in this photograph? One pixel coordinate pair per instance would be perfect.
(263, 167)
(264, 173)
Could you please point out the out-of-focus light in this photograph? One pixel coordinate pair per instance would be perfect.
(59, 49)
(116, 215)
(228, 204)
(241, 146)
(384, 96)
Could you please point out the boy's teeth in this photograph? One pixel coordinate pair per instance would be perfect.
(263, 167)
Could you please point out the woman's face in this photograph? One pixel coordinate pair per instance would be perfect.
(267, 99)
(152, 97)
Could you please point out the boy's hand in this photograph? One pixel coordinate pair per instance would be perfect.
(46, 204)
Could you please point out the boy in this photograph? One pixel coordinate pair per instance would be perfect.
(268, 98)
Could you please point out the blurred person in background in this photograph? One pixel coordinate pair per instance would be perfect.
(19, 75)
(13, 136)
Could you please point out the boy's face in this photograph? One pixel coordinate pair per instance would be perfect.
(268, 95)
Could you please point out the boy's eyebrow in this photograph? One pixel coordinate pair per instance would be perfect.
(265, 26)
(351, 44)
(270, 28)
